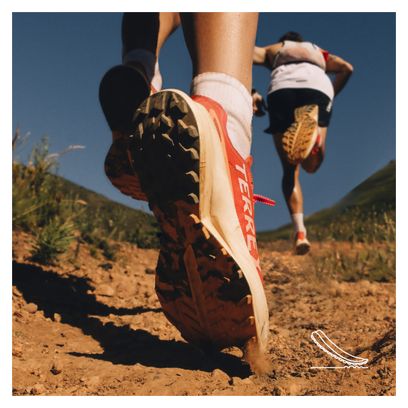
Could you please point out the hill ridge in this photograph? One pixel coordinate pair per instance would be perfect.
(372, 197)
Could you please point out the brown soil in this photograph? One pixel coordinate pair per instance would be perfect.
(93, 327)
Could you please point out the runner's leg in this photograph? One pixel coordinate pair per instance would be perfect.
(207, 200)
(291, 188)
(125, 86)
(221, 42)
(221, 47)
(147, 31)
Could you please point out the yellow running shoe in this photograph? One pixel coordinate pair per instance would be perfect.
(299, 139)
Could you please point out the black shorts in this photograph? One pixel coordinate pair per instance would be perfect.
(282, 105)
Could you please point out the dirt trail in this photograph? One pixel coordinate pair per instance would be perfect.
(96, 328)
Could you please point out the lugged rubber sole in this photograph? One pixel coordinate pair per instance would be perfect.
(120, 171)
(121, 91)
(302, 249)
(299, 139)
(301, 246)
(201, 287)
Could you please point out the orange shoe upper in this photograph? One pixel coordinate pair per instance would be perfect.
(300, 236)
(240, 176)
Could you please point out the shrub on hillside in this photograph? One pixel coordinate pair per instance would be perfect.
(49, 207)
(52, 240)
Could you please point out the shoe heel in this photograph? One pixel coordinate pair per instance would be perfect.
(121, 91)
(200, 286)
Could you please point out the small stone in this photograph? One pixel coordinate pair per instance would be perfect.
(106, 266)
(277, 391)
(94, 380)
(57, 317)
(17, 350)
(38, 389)
(56, 368)
(105, 290)
(39, 313)
(294, 389)
(16, 292)
(220, 375)
(235, 381)
(31, 308)
(152, 299)
(149, 271)
(36, 372)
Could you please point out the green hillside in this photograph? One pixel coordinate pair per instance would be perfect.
(368, 209)
(115, 220)
(57, 210)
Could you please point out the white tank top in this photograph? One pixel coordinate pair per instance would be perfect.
(300, 65)
(293, 51)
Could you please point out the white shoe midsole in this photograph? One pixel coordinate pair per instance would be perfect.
(218, 213)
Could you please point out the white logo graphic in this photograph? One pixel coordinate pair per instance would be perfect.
(328, 346)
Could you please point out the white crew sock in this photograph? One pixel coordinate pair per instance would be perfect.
(151, 67)
(298, 224)
(157, 80)
(235, 100)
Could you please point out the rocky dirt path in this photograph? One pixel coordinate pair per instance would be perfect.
(94, 327)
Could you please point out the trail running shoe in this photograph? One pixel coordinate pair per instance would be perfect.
(302, 245)
(299, 139)
(316, 154)
(208, 278)
(123, 88)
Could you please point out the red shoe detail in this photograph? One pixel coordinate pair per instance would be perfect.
(240, 176)
(300, 235)
(264, 200)
(316, 147)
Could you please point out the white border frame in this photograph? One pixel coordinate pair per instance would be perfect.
(7, 7)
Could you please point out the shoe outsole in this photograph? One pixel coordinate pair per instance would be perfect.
(299, 139)
(122, 89)
(201, 288)
(119, 169)
(302, 249)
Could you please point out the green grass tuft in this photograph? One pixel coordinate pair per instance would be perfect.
(53, 209)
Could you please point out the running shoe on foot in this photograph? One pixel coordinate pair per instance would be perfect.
(208, 278)
(313, 162)
(302, 245)
(299, 139)
(121, 91)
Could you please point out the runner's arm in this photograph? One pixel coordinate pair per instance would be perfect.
(259, 57)
(258, 103)
(342, 70)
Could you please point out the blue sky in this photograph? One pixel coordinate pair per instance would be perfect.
(59, 59)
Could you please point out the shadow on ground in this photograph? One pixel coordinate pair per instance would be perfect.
(70, 297)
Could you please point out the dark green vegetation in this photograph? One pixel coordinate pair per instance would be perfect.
(57, 211)
(366, 214)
